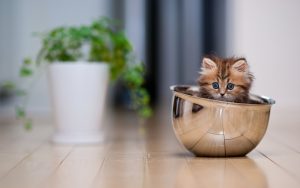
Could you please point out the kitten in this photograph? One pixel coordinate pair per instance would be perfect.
(226, 79)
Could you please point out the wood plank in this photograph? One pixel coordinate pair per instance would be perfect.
(165, 170)
(216, 172)
(78, 169)
(16, 144)
(281, 155)
(8, 161)
(261, 172)
(252, 174)
(121, 170)
(284, 126)
(290, 138)
(36, 168)
(13, 154)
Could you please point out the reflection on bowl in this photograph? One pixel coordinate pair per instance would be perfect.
(218, 129)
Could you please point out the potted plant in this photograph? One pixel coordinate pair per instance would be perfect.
(80, 62)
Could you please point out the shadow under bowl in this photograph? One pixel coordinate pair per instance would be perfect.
(215, 128)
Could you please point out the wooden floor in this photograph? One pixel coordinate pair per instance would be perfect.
(146, 154)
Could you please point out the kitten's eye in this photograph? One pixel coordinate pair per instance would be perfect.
(215, 85)
(230, 86)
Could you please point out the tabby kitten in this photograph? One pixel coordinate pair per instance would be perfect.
(226, 79)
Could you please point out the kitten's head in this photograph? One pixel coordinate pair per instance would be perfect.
(225, 79)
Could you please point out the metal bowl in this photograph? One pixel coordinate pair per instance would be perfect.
(216, 128)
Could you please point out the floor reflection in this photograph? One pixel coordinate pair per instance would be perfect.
(221, 172)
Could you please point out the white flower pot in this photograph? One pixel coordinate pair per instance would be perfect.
(78, 92)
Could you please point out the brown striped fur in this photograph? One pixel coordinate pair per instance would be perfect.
(223, 71)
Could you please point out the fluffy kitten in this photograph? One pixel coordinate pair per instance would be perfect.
(226, 79)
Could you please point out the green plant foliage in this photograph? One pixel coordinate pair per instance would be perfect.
(105, 42)
(10, 88)
(25, 71)
(20, 112)
(7, 90)
(133, 77)
(20, 92)
(8, 85)
(28, 124)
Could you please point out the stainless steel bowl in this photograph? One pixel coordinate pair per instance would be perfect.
(216, 128)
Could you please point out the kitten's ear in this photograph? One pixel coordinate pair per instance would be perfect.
(208, 64)
(240, 65)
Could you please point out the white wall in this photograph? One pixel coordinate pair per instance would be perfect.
(267, 32)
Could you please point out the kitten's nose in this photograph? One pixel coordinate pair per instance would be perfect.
(222, 94)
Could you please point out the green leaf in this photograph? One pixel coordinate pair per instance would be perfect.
(145, 112)
(27, 61)
(20, 112)
(21, 92)
(25, 71)
(8, 85)
(28, 124)
(145, 98)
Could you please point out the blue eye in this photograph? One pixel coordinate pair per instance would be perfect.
(215, 85)
(230, 86)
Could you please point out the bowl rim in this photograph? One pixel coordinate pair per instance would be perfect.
(269, 100)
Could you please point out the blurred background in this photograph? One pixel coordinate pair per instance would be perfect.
(170, 36)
